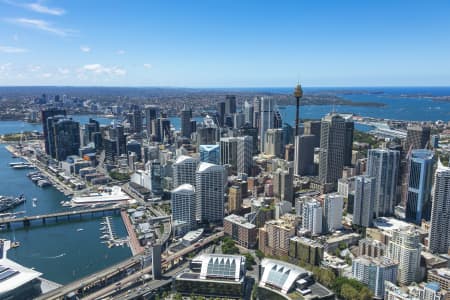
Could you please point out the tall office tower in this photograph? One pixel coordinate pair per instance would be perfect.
(404, 248)
(136, 119)
(155, 171)
(374, 272)
(420, 181)
(349, 128)
(277, 120)
(333, 206)
(135, 147)
(151, 113)
(238, 120)
(245, 154)
(417, 137)
(207, 132)
(266, 119)
(110, 147)
(256, 112)
(439, 238)
(45, 114)
(288, 134)
(312, 217)
(273, 143)
(156, 130)
(230, 104)
(186, 126)
(248, 130)
(183, 204)
(67, 138)
(210, 154)
(210, 192)
(165, 130)
(364, 201)
(332, 148)
(283, 185)
(156, 261)
(304, 155)
(50, 139)
(184, 170)
(117, 133)
(313, 128)
(221, 113)
(383, 164)
(90, 128)
(248, 112)
(228, 152)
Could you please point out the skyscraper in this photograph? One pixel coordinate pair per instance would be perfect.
(186, 126)
(332, 148)
(155, 171)
(151, 113)
(348, 143)
(273, 142)
(256, 112)
(383, 164)
(183, 204)
(67, 138)
(210, 192)
(45, 114)
(417, 137)
(221, 106)
(184, 170)
(313, 128)
(210, 154)
(207, 132)
(304, 155)
(230, 104)
(333, 207)
(439, 238)
(136, 119)
(248, 112)
(245, 154)
(312, 217)
(266, 119)
(283, 185)
(420, 180)
(228, 152)
(404, 248)
(364, 200)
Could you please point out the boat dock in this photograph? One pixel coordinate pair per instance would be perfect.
(111, 237)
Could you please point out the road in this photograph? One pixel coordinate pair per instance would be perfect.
(136, 276)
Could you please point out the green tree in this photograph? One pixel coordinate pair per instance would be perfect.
(259, 254)
(348, 292)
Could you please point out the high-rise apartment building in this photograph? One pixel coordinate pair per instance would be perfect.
(404, 248)
(283, 185)
(151, 113)
(186, 126)
(248, 112)
(420, 182)
(439, 238)
(209, 187)
(184, 170)
(364, 200)
(312, 217)
(333, 207)
(45, 114)
(266, 119)
(245, 154)
(66, 133)
(383, 165)
(183, 204)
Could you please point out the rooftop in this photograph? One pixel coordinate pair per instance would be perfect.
(280, 275)
(241, 221)
(184, 188)
(183, 158)
(221, 266)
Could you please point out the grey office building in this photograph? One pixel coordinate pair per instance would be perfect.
(364, 201)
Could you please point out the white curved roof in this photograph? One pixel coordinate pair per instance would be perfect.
(204, 166)
(221, 266)
(279, 274)
(183, 158)
(187, 188)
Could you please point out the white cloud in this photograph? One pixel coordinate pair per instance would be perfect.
(120, 52)
(34, 68)
(47, 75)
(37, 7)
(63, 71)
(148, 66)
(40, 25)
(85, 49)
(5, 67)
(100, 69)
(8, 49)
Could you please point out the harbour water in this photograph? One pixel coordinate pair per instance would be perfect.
(60, 251)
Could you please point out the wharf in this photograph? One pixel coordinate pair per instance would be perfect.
(135, 246)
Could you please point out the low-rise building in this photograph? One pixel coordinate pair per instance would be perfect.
(305, 250)
(274, 236)
(442, 276)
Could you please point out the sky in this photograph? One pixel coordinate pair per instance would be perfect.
(225, 43)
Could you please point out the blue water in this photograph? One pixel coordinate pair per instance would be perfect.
(57, 250)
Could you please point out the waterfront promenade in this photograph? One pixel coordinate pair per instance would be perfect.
(133, 241)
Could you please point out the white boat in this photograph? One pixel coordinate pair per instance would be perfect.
(103, 228)
(104, 237)
(80, 229)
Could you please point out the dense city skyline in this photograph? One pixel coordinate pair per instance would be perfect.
(224, 44)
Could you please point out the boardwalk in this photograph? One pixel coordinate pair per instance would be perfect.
(135, 246)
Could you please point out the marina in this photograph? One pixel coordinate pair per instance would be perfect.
(109, 236)
(9, 202)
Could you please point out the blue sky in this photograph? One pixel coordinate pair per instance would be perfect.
(215, 43)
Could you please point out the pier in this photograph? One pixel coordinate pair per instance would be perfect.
(66, 215)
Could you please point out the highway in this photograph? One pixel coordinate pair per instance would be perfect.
(133, 277)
